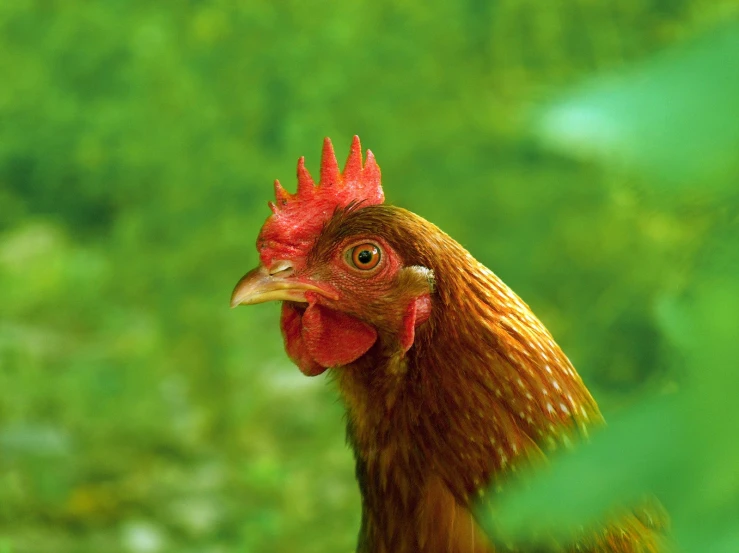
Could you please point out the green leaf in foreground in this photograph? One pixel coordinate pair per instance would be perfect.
(675, 117)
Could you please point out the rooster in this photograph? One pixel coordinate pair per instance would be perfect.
(450, 381)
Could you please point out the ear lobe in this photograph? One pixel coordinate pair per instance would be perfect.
(297, 351)
(417, 313)
(417, 282)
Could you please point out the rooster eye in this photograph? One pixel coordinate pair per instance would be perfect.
(365, 256)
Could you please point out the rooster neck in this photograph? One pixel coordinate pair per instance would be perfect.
(483, 367)
(432, 428)
(376, 392)
(397, 464)
(483, 388)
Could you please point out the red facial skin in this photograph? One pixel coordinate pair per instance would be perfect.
(328, 333)
(331, 332)
(298, 218)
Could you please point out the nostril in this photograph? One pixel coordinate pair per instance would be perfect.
(283, 268)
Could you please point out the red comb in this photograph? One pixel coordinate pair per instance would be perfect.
(299, 217)
(355, 184)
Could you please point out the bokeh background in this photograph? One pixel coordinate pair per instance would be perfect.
(586, 151)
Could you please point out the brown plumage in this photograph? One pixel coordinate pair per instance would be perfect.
(450, 381)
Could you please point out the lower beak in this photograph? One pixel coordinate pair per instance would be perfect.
(258, 286)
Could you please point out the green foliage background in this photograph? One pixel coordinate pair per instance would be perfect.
(138, 142)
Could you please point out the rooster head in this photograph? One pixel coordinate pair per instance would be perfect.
(344, 282)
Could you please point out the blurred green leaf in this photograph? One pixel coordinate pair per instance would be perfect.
(675, 117)
(579, 489)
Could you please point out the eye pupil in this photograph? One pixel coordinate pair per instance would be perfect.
(364, 257)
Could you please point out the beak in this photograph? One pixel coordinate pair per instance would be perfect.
(275, 284)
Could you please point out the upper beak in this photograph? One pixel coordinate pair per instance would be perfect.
(274, 284)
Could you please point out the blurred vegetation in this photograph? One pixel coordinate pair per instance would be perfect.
(138, 142)
(676, 118)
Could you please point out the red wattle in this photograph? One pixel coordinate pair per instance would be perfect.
(334, 338)
(294, 346)
(319, 337)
